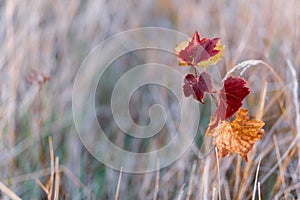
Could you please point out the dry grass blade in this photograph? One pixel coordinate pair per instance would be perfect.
(119, 183)
(245, 183)
(44, 188)
(57, 179)
(281, 170)
(286, 153)
(214, 193)
(255, 182)
(284, 166)
(295, 95)
(260, 112)
(243, 65)
(180, 193)
(54, 170)
(14, 73)
(258, 188)
(227, 190)
(219, 175)
(296, 103)
(237, 176)
(205, 179)
(269, 148)
(199, 154)
(76, 181)
(33, 175)
(288, 190)
(259, 115)
(8, 192)
(49, 184)
(191, 181)
(155, 194)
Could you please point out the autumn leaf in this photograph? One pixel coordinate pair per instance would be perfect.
(237, 136)
(230, 98)
(197, 86)
(199, 52)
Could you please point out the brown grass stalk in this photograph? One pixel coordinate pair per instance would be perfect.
(57, 179)
(8, 192)
(50, 181)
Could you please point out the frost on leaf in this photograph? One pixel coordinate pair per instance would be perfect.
(197, 86)
(199, 52)
(237, 136)
(230, 98)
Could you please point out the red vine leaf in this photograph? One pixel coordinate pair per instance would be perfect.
(201, 52)
(237, 136)
(230, 98)
(197, 86)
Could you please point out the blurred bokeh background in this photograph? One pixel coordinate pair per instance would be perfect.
(53, 37)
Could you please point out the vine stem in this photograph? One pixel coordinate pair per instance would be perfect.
(215, 99)
(196, 71)
(211, 93)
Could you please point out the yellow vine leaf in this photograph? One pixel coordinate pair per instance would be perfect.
(237, 136)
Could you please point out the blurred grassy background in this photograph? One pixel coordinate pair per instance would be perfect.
(54, 37)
